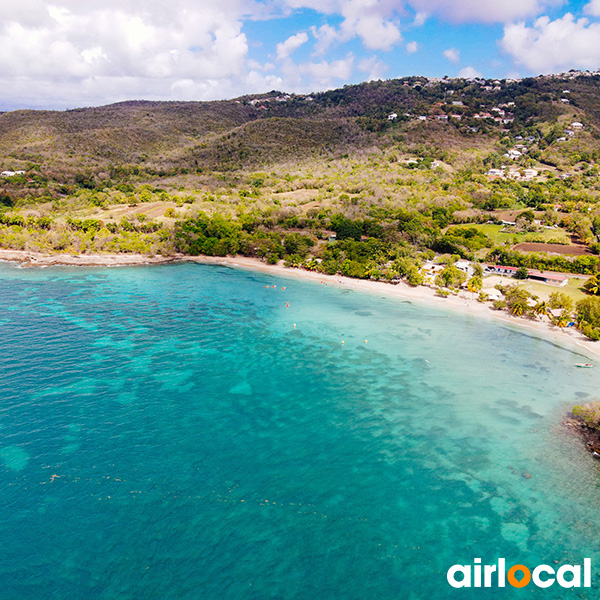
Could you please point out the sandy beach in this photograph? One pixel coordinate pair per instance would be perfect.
(464, 302)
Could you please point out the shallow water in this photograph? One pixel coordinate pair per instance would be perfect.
(166, 432)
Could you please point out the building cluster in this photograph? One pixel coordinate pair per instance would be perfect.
(513, 173)
(571, 131)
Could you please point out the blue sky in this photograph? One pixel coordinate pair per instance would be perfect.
(65, 53)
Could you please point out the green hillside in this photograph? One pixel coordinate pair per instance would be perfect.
(369, 181)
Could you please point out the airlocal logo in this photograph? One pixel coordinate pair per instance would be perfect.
(478, 575)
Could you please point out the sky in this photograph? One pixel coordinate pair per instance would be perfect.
(73, 53)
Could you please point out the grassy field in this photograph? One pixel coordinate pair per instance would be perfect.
(500, 238)
(573, 288)
(543, 290)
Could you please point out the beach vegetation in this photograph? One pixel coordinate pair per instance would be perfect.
(589, 413)
(588, 317)
(450, 277)
(561, 301)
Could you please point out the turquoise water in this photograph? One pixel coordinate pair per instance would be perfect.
(166, 432)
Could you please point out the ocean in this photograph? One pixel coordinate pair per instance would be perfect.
(203, 432)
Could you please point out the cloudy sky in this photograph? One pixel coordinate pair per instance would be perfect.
(72, 53)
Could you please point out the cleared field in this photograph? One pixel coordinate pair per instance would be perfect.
(571, 250)
(499, 236)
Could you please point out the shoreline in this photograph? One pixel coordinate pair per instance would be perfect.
(464, 302)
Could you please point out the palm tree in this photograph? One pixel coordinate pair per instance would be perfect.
(541, 309)
(518, 307)
(592, 285)
(562, 320)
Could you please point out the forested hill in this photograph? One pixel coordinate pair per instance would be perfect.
(452, 116)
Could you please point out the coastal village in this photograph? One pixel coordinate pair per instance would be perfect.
(486, 189)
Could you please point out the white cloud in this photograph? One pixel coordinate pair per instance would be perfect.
(325, 36)
(593, 8)
(412, 47)
(484, 11)
(375, 32)
(452, 54)
(373, 21)
(420, 19)
(311, 76)
(323, 74)
(373, 67)
(469, 73)
(562, 44)
(291, 44)
(101, 49)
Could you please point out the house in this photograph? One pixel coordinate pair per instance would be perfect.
(495, 174)
(577, 126)
(529, 174)
(513, 154)
(392, 116)
(493, 294)
(465, 267)
(11, 173)
(500, 270)
(552, 278)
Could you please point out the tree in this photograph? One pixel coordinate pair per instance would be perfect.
(522, 273)
(450, 277)
(475, 284)
(588, 317)
(559, 300)
(518, 307)
(540, 309)
(592, 285)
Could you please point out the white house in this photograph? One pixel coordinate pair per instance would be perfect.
(392, 116)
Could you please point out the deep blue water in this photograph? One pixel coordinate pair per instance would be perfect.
(167, 433)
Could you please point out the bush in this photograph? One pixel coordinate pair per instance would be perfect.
(589, 413)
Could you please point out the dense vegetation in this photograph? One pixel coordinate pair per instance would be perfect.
(372, 181)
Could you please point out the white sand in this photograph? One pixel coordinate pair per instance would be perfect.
(464, 302)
